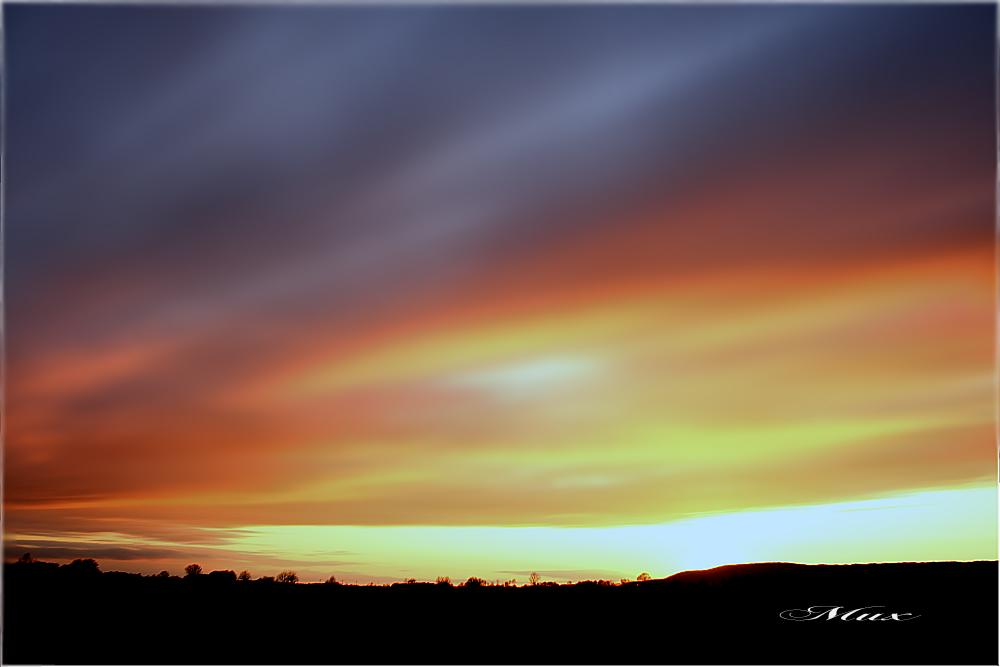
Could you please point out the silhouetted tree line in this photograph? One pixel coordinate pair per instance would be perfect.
(84, 568)
(76, 614)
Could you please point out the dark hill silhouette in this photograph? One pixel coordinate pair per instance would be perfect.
(840, 573)
(725, 615)
(716, 575)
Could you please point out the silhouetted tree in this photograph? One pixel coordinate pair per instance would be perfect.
(643, 577)
(163, 574)
(81, 568)
(193, 570)
(267, 580)
(443, 581)
(243, 576)
(534, 579)
(287, 577)
(222, 575)
(332, 580)
(26, 566)
(475, 582)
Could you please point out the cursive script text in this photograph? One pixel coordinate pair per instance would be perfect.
(830, 613)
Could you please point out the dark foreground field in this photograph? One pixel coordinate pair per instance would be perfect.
(723, 616)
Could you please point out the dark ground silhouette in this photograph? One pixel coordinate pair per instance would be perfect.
(728, 615)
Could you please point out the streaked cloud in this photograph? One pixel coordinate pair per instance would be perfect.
(348, 267)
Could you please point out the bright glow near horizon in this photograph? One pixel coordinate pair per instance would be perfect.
(957, 524)
(954, 524)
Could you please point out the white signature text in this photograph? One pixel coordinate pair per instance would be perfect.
(830, 613)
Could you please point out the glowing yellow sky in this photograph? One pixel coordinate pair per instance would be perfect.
(956, 524)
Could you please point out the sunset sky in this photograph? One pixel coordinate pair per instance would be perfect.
(399, 291)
